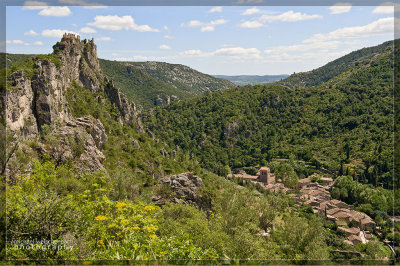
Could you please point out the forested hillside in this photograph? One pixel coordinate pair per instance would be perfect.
(336, 67)
(343, 125)
(156, 83)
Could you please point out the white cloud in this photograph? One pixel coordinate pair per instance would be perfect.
(236, 53)
(114, 54)
(340, 8)
(316, 58)
(251, 24)
(165, 27)
(83, 3)
(304, 47)
(205, 26)
(386, 8)
(251, 11)
(31, 33)
(74, 25)
(289, 16)
(87, 30)
(215, 9)
(115, 22)
(19, 42)
(103, 38)
(145, 58)
(379, 27)
(56, 33)
(191, 53)
(165, 47)
(168, 37)
(56, 11)
(34, 5)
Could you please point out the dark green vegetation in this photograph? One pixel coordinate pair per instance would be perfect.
(109, 215)
(342, 125)
(323, 74)
(252, 79)
(145, 82)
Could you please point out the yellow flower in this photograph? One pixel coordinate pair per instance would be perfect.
(120, 204)
(136, 228)
(153, 236)
(135, 246)
(150, 228)
(101, 242)
(100, 218)
(124, 222)
(87, 262)
(149, 208)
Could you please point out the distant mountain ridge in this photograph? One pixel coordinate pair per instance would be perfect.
(252, 79)
(158, 83)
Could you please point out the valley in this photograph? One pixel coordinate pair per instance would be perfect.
(149, 161)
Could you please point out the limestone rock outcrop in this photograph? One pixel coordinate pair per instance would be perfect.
(37, 97)
(181, 188)
(79, 140)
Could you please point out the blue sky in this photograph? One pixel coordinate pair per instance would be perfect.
(230, 40)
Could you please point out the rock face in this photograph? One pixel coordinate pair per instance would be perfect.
(79, 61)
(126, 108)
(40, 99)
(37, 98)
(79, 139)
(20, 105)
(181, 188)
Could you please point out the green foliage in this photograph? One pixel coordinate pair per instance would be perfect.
(301, 239)
(346, 120)
(84, 222)
(365, 197)
(287, 175)
(144, 82)
(325, 73)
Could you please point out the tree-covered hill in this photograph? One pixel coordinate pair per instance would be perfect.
(13, 58)
(344, 124)
(336, 67)
(157, 83)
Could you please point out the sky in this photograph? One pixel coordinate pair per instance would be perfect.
(218, 40)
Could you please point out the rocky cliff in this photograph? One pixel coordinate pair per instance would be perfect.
(36, 98)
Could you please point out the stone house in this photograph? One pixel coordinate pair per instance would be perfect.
(266, 176)
(350, 231)
(367, 224)
(355, 239)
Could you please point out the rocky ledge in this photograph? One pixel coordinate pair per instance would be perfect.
(181, 188)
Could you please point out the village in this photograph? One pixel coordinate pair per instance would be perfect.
(357, 226)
